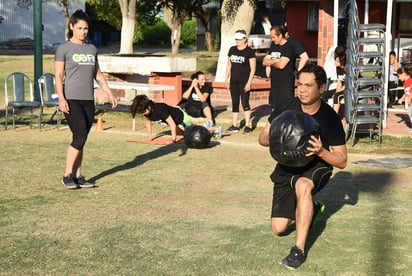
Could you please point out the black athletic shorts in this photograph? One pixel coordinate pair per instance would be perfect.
(284, 179)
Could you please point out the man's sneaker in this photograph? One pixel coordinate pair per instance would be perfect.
(68, 182)
(233, 129)
(82, 182)
(318, 209)
(247, 130)
(295, 258)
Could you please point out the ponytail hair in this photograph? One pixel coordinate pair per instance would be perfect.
(140, 104)
(76, 17)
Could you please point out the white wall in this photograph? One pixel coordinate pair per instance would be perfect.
(18, 20)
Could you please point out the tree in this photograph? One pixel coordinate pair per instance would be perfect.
(175, 13)
(107, 11)
(128, 9)
(174, 19)
(204, 19)
(65, 5)
(236, 15)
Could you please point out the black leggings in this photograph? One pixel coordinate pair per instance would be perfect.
(80, 120)
(237, 93)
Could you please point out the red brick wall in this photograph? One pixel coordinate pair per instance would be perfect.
(221, 97)
(325, 37)
(297, 21)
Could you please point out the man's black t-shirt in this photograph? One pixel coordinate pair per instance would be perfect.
(298, 48)
(331, 129)
(331, 134)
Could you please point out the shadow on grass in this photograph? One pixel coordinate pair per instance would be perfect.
(148, 156)
(343, 189)
(141, 159)
(404, 118)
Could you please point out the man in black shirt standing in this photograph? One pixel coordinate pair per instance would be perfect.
(281, 60)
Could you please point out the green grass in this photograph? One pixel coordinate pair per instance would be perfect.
(169, 210)
(166, 210)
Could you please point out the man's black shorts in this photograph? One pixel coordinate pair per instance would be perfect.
(284, 197)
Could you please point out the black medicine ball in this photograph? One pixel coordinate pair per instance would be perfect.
(289, 137)
(197, 137)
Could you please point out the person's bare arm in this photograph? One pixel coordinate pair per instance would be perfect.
(227, 76)
(188, 91)
(202, 96)
(103, 85)
(279, 63)
(337, 156)
(267, 61)
(252, 64)
(304, 58)
(59, 74)
(148, 128)
(264, 136)
(173, 126)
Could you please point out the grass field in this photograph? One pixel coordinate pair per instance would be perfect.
(169, 210)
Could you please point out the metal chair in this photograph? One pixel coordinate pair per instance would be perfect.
(48, 96)
(19, 95)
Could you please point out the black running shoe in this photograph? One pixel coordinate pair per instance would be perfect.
(68, 182)
(318, 209)
(233, 129)
(247, 130)
(295, 258)
(82, 182)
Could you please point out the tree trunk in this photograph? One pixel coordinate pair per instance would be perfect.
(242, 21)
(175, 38)
(208, 37)
(66, 18)
(175, 26)
(128, 10)
(126, 36)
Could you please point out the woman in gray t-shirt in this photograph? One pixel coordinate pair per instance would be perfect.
(76, 67)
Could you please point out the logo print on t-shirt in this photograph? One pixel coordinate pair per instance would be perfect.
(237, 59)
(195, 97)
(83, 59)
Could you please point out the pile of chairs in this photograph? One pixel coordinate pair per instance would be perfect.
(365, 76)
(19, 95)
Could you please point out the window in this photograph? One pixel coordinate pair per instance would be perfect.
(313, 16)
(404, 17)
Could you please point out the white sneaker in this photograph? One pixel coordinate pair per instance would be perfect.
(218, 132)
(208, 123)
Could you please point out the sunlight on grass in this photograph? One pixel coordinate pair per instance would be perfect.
(164, 210)
(169, 210)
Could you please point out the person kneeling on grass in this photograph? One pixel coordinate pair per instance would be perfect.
(294, 187)
(176, 118)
